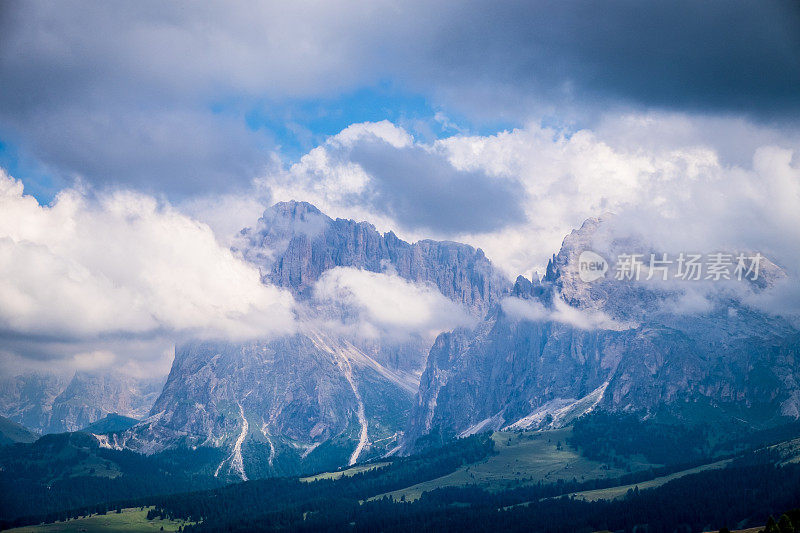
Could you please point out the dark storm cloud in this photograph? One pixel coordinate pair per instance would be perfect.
(154, 94)
(173, 152)
(109, 92)
(709, 56)
(422, 190)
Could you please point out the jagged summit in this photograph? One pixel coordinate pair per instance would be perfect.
(294, 243)
(295, 208)
(561, 348)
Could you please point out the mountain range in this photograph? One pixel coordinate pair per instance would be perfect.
(559, 347)
(322, 397)
(49, 403)
(532, 354)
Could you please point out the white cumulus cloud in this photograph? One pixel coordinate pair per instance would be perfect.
(124, 264)
(587, 319)
(384, 303)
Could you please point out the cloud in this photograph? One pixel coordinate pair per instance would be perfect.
(178, 151)
(733, 139)
(534, 311)
(421, 190)
(156, 97)
(675, 196)
(144, 357)
(724, 208)
(125, 265)
(378, 172)
(674, 190)
(225, 214)
(678, 55)
(382, 303)
(93, 360)
(160, 96)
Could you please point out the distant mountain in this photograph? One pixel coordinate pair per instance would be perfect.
(320, 398)
(91, 396)
(11, 432)
(110, 423)
(28, 399)
(561, 347)
(49, 404)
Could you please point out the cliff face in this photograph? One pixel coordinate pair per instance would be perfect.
(296, 404)
(320, 398)
(560, 347)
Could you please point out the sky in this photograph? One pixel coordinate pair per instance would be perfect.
(156, 130)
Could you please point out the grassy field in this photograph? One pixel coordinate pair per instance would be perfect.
(128, 520)
(522, 458)
(613, 493)
(748, 530)
(344, 473)
(789, 451)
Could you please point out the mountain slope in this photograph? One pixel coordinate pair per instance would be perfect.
(110, 423)
(562, 347)
(11, 432)
(326, 396)
(293, 405)
(65, 471)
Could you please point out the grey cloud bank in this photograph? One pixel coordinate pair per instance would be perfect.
(423, 191)
(138, 86)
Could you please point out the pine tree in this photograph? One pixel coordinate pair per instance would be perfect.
(785, 525)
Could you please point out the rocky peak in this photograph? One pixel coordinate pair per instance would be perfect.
(294, 243)
(321, 398)
(522, 287)
(570, 346)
